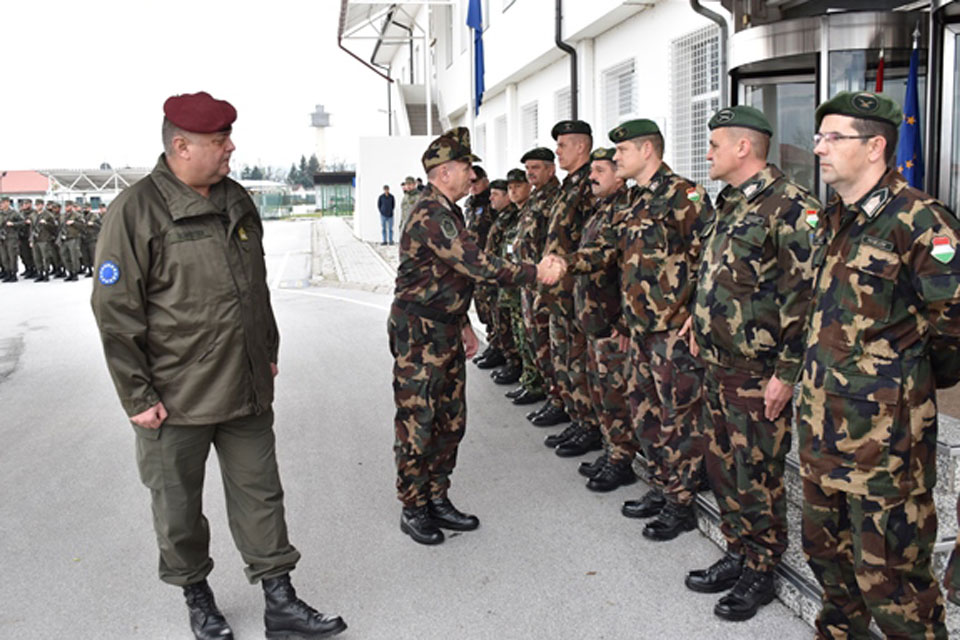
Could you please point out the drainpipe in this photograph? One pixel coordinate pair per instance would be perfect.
(716, 17)
(563, 46)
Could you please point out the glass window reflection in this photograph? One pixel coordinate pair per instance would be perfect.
(789, 106)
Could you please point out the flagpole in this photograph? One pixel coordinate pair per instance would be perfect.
(472, 98)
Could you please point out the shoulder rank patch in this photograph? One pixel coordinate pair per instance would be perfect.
(812, 218)
(942, 250)
(692, 195)
(108, 273)
(448, 227)
(242, 233)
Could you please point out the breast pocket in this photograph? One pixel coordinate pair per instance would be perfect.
(860, 417)
(872, 274)
(747, 242)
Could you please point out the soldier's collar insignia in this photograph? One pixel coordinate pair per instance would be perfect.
(812, 218)
(654, 184)
(108, 273)
(752, 188)
(875, 201)
(693, 195)
(942, 249)
(448, 228)
(242, 233)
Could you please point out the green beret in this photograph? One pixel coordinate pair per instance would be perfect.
(634, 129)
(570, 126)
(499, 184)
(741, 116)
(601, 153)
(409, 180)
(540, 153)
(862, 104)
(516, 175)
(452, 145)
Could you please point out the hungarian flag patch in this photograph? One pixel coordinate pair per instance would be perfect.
(812, 218)
(692, 195)
(943, 251)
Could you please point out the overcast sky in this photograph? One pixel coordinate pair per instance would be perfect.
(84, 81)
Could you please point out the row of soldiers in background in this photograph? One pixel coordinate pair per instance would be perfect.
(680, 331)
(48, 243)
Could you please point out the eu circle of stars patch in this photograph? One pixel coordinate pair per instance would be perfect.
(108, 273)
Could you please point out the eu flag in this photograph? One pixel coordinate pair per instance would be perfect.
(475, 22)
(909, 153)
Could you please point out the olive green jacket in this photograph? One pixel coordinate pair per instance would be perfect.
(182, 302)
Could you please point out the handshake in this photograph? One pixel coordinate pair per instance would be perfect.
(551, 269)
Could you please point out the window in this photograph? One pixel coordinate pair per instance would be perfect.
(561, 108)
(480, 144)
(695, 97)
(465, 36)
(448, 36)
(500, 131)
(529, 125)
(619, 94)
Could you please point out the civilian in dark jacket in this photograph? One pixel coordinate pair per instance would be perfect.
(386, 203)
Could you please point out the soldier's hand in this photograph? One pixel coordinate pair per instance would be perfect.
(152, 418)
(687, 330)
(273, 369)
(775, 397)
(470, 342)
(622, 341)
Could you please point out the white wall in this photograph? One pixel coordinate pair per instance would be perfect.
(384, 160)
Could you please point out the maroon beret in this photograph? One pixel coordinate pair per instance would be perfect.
(199, 112)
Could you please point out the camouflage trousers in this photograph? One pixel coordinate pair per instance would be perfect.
(428, 389)
(872, 556)
(537, 323)
(951, 578)
(484, 299)
(506, 341)
(745, 457)
(568, 351)
(530, 379)
(607, 372)
(664, 396)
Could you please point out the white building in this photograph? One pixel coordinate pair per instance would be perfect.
(657, 59)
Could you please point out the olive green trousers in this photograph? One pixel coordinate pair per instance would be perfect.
(172, 461)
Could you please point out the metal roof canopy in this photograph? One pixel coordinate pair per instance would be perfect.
(389, 24)
(93, 180)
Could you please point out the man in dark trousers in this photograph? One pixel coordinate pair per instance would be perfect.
(386, 204)
(190, 340)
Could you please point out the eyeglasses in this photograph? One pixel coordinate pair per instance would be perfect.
(831, 137)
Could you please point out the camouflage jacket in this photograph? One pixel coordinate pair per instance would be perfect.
(567, 216)
(474, 208)
(407, 203)
(507, 225)
(596, 296)
(756, 277)
(439, 261)
(656, 241)
(887, 288)
(532, 233)
(482, 221)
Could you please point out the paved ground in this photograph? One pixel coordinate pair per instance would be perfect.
(551, 560)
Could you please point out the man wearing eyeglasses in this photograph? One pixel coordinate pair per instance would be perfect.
(886, 298)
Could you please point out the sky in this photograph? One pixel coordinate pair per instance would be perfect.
(84, 81)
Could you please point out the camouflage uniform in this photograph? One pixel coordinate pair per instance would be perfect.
(568, 344)
(531, 238)
(500, 316)
(439, 263)
(480, 216)
(887, 290)
(596, 298)
(753, 295)
(656, 241)
(406, 206)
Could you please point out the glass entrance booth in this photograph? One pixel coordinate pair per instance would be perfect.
(787, 68)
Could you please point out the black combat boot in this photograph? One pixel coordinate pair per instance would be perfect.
(287, 616)
(417, 523)
(492, 361)
(646, 507)
(719, 576)
(513, 393)
(447, 516)
(584, 442)
(672, 520)
(486, 352)
(546, 405)
(556, 439)
(529, 397)
(553, 415)
(612, 476)
(206, 621)
(42, 278)
(753, 590)
(590, 469)
(508, 374)
(71, 278)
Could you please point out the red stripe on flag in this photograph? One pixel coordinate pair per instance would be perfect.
(940, 240)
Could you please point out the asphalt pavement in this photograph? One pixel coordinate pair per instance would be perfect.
(550, 560)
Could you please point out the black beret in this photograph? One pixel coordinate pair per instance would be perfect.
(540, 153)
(516, 175)
(499, 184)
(570, 126)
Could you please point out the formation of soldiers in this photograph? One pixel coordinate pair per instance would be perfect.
(48, 243)
(679, 329)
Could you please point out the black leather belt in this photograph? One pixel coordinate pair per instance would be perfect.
(428, 312)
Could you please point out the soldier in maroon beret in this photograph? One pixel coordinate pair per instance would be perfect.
(191, 343)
